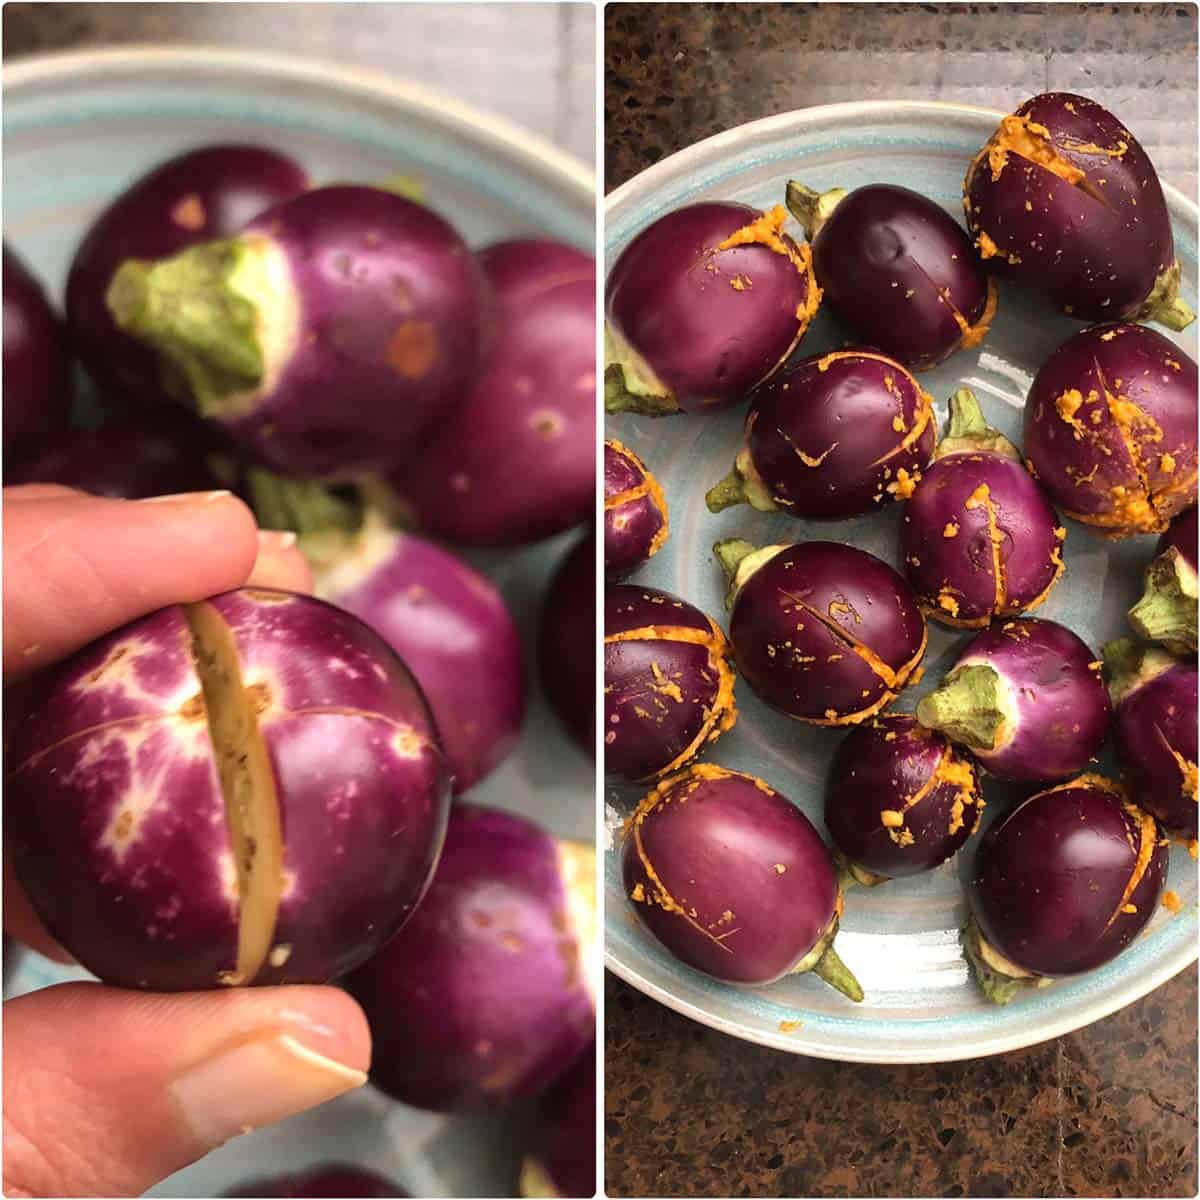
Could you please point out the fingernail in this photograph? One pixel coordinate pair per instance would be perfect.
(276, 539)
(188, 497)
(256, 1082)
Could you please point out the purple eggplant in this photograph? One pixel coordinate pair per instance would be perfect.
(734, 880)
(160, 453)
(823, 632)
(979, 539)
(668, 683)
(245, 790)
(566, 644)
(198, 196)
(327, 337)
(329, 1179)
(449, 625)
(1026, 698)
(831, 437)
(899, 799)
(515, 462)
(1110, 429)
(1166, 613)
(701, 306)
(1064, 203)
(1154, 726)
(37, 360)
(561, 1160)
(897, 269)
(1062, 884)
(635, 511)
(487, 997)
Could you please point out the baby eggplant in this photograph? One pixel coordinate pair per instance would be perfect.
(1062, 884)
(1166, 613)
(1063, 202)
(635, 511)
(566, 644)
(487, 995)
(326, 337)
(203, 194)
(1026, 698)
(823, 632)
(899, 799)
(668, 684)
(734, 880)
(702, 305)
(831, 437)
(515, 461)
(1110, 429)
(1154, 724)
(37, 359)
(897, 269)
(979, 539)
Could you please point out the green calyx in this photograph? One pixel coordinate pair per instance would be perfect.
(739, 560)
(968, 707)
(824, 962)
(850, 873)
(1166, 613)
(325, 522)
(968, 431)
(1128, 665)
(812, 209)
(200, 310)
(998, 988)
(629, 383)
(1164, 304)
(741, 486)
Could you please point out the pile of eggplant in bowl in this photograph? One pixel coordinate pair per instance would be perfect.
(899, 717)
(367, 321)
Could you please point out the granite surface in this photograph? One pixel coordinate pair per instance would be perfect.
(1107, 1111)
(532, 63)
(1110, 1110)
(677, 73)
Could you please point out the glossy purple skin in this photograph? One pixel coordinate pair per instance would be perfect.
(840, 411)
(1181, 534)
(563, 1147)
(330, 1179)
(455, 633)
(787, 650)
(670, 295)
(894, 267)
(1081, 465)
(198, 196)
(870, 774)
(1093, 256)
(481, 1001)
(1062, 710)
(648, 724)
(566, 645)
(112, 778)
(37, 364)
(633, 527)
(1151, 725)
(963, 567)
(133, 460)
(393, 317)
(515, 462)
(716, 845)
(1050, 878)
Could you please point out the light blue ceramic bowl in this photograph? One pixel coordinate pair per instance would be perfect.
(901, 939)
(77, 129)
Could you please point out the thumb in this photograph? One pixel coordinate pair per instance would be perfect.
(108, 1091)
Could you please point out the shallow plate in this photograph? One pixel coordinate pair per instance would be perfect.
(901, 939)
(77, 129)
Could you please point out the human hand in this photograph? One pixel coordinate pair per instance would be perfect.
(107, 1091)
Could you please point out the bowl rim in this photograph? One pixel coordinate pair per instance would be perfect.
(638, 190)
(436, 107)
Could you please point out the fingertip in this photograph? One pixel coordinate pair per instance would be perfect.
(280, 563)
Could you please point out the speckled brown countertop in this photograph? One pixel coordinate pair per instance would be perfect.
(1110, 1110)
